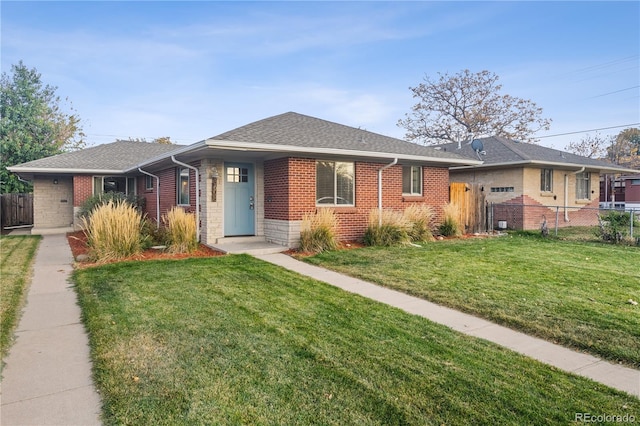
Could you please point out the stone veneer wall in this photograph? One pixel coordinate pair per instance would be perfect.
(52, 202)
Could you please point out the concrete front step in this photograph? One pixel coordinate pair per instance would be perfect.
(247, 239)
(250, 245)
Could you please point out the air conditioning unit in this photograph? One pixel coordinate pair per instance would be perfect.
(502, 224)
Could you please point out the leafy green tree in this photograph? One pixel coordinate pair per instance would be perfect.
(625, 148)
(453, 108)
(33, 123)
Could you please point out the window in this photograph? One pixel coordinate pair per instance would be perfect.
(583, 186)
(237, 174)
(148, 182)
(546, 180)
(183, 186)
(412, 180)
(502, 189)
(334, 183)
(121, 184)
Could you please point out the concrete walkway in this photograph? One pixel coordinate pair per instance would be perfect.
(613, 375)
(47, 377)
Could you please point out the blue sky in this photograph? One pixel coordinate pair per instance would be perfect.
(192, 70)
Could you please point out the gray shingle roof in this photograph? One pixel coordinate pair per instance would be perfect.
(298, 130)
(501, 151)
(119, 155)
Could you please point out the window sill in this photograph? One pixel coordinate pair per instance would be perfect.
(409, 198)
(546, 194)
(583, 202)
(339, 209)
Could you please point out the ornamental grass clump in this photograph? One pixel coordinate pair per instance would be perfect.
(420, 220)
(318, 231)
(390, 229)
(113, 231)
(450, 227)
(180, 231)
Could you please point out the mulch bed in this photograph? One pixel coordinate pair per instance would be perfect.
(78, 243)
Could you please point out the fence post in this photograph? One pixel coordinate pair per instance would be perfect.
(557, 213)
(490, 217)
(632, 216)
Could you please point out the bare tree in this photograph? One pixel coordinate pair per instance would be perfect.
(590, 146)
(452, 108)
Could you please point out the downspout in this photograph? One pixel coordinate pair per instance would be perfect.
(157, 195)
(173, 158)
(566, 193)
(393, 163)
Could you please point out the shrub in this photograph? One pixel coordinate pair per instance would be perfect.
(450, 226)
(180, 231)
(419, 218)
(95, 201)
(390, 229)
(614, 226)
(113, 231)
(318, 231)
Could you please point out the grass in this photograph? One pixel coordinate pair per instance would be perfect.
(16, 259)
(568, 292)
(233, 340)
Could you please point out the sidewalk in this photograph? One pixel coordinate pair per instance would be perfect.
(613, 375)
(47, 376)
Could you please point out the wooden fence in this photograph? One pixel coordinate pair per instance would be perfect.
(16, 210)
(470, 202)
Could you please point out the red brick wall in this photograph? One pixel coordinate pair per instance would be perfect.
(82, 189)
(290, 192)
(524, 212)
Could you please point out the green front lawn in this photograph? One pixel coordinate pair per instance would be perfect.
(565, 291)
(16, 258)
(233, 340)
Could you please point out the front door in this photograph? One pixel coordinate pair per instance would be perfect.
(239, 200)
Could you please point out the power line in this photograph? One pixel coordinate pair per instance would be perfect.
(616, 91)
(587, 131)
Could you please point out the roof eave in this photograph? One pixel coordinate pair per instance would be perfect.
(50, 170)
(609, 169)
(255, 146)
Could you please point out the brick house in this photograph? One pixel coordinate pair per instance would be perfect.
(621, 192)
(257, 180)
(542, 181)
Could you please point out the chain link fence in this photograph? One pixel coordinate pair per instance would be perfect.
(507, 216)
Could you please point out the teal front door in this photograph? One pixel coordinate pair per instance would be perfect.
(239, 200)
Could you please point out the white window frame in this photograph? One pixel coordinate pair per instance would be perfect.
(412, 189)
(335, 184)
(129, 189)
(179, 179)
(148, 182)
(583, 190)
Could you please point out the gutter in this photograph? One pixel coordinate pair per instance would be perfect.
(157, 195)
(393, 163)
(173, 158)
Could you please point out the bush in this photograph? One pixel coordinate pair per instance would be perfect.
(318, 231)
(113, 231)
(98, 200)
(614, 226)
(419, 218)
(450, 226)
(181, 233)
(390, 229)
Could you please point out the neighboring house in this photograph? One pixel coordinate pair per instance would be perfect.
(543, 180)
(257, 180)
(621, 192)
